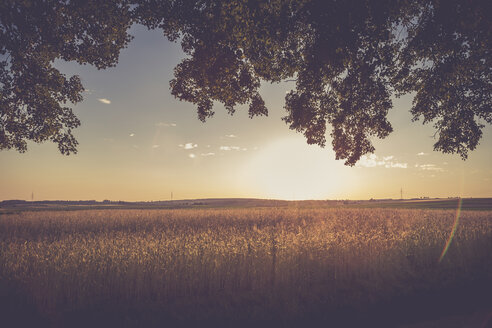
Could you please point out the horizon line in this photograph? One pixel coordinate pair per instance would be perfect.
(238, 198)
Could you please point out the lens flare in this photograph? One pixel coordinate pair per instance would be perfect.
(455, 226)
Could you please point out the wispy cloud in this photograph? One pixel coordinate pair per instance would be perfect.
(375, 161)
(207, 154)
(396, 165)
(188, 145)
(228, 148)
(429, 167)
(191, 155)
(132, 134)
(164, 124)
(421, 154)
(231, 136)
(104, 101)
(155, 146)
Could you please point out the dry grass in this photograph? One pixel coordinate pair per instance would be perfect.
(229, 266)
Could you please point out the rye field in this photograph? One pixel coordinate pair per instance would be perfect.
(244, 267)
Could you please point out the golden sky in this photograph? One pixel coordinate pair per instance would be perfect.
(139, 143)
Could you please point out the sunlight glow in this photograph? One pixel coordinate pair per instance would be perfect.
(291, 169)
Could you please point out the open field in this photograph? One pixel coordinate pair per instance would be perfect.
(230, 267)
(484, 204)
(14, 206)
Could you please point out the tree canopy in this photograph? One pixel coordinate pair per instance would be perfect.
(348, 58)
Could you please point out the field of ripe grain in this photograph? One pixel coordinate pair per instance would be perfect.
(242, 267)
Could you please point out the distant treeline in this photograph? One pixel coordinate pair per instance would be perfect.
(208, 201)
(56, 202)
(436, 203)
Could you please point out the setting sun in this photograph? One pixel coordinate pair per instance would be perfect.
(290, 169)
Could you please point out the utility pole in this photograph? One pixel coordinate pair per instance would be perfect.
(401, 193)
(171, 195)
(32, 196)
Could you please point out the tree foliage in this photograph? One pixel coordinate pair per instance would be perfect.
(347, 57)
(34, 95)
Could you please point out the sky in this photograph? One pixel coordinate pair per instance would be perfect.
(138, 143)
